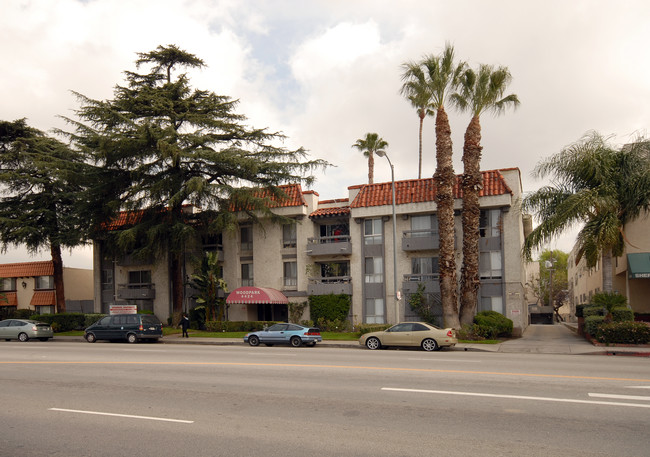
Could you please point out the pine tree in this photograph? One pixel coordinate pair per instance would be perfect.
(160, 144)
(41, 179)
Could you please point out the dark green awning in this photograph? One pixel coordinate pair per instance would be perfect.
(638, 265)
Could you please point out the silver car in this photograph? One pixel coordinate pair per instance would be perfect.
(24, 329)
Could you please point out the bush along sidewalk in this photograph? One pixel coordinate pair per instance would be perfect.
(609, 321)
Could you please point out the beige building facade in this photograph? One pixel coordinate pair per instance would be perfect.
(346, 246)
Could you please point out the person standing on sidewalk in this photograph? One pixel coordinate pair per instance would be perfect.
(185, 324)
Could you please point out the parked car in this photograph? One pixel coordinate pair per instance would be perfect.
(129, 327)
(293, 334)
(24, 329)
(427, 336)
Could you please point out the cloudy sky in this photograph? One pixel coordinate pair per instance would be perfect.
(326, 72)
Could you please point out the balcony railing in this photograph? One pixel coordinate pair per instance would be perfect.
(431, 282)
(136, 291)
(420, 240)
(329, 245)
(330, 285)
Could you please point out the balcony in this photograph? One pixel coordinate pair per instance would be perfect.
(420, 240)
(330, 285)
(141, 291)
(431, 283)
(329, 245)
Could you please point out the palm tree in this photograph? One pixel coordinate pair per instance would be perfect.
(371, 145)
(480, 91)
(416, 90)
(443, 74)
(598, 186)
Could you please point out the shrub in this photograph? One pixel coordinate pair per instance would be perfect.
(23, 313)
(624, 333)
(622, 314)
(593, 310)
(469, 332)
(296, 311)
(90, 319)
(329, 307)
(236, 326)
(490, 324)
(592, 323)
(64, 321)
(333, 326)
(609, 300)
(367, 328)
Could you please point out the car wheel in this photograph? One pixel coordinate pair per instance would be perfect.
(373, 343)
(43, 339)
(429, 345)
(253, 340)
(91, 338)
(131, 338)
(23, 337)
(296, 341)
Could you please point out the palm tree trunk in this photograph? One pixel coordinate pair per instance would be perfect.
(445, 180)
(57, 261)
(608, 278)
(422, 115)
(371, 167)
(472, 183)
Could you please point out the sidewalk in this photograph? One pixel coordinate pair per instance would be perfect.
(537, 339)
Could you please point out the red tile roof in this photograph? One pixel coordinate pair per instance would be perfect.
(330, 212)
(27, 269)
(43, 298)
(423, 190)
(10, 299)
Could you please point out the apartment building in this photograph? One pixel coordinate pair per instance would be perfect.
(345, 246)
(30, 285)
(631, 271)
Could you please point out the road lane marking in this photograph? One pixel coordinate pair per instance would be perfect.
(620, 397)
(445, 360)
(129, 416)
(516, 397)
(638, 387)
(320, 366)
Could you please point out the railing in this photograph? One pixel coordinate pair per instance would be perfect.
(136, 291)
(329, 245)
(420, 233)
(325, 285)
(420, 240)
(329, 239)
(431, 282)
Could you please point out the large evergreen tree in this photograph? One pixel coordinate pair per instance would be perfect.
(159, 144)
(480, 91)
(40, 179)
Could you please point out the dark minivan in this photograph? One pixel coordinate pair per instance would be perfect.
(129, 327)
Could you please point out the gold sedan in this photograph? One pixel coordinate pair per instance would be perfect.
(427, 336)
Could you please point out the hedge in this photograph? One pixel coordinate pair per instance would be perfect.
(62, 322)
(622, 314)
(329, 307)
(593, 310)
(592, 323)
(236, 326)
(623, 333)
(490, 324)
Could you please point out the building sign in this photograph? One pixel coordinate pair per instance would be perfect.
(124, 309)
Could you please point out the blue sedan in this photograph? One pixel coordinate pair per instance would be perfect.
(293, 334)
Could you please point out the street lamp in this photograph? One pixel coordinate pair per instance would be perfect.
(549, 266)
(395, 287)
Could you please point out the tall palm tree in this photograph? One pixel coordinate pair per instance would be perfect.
(480, 91)
(598, 186)
(372, 144)
(416, 89)
(443, 74)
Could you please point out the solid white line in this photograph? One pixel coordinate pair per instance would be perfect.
(620, 397)
(438, 360)
(122, 415)
(517, 397)
(638, 387)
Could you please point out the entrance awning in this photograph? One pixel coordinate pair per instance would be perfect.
(10, 299)
(256, 295)
(638, 265)
(43, 298)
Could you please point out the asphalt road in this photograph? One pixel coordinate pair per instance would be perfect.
(63, 399)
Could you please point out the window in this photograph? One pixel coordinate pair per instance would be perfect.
(425, 266)
(212, 242)
(290, 274)
(107, 279)
(289, 235)
(490, 265)
(492, 304)
(246, 238)
(375, 311)
(44, 282)
(425, 225)
(374, 269)
(7, 284)
(246, 274)
(373, 231)
(490, 223)
(139, 278)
